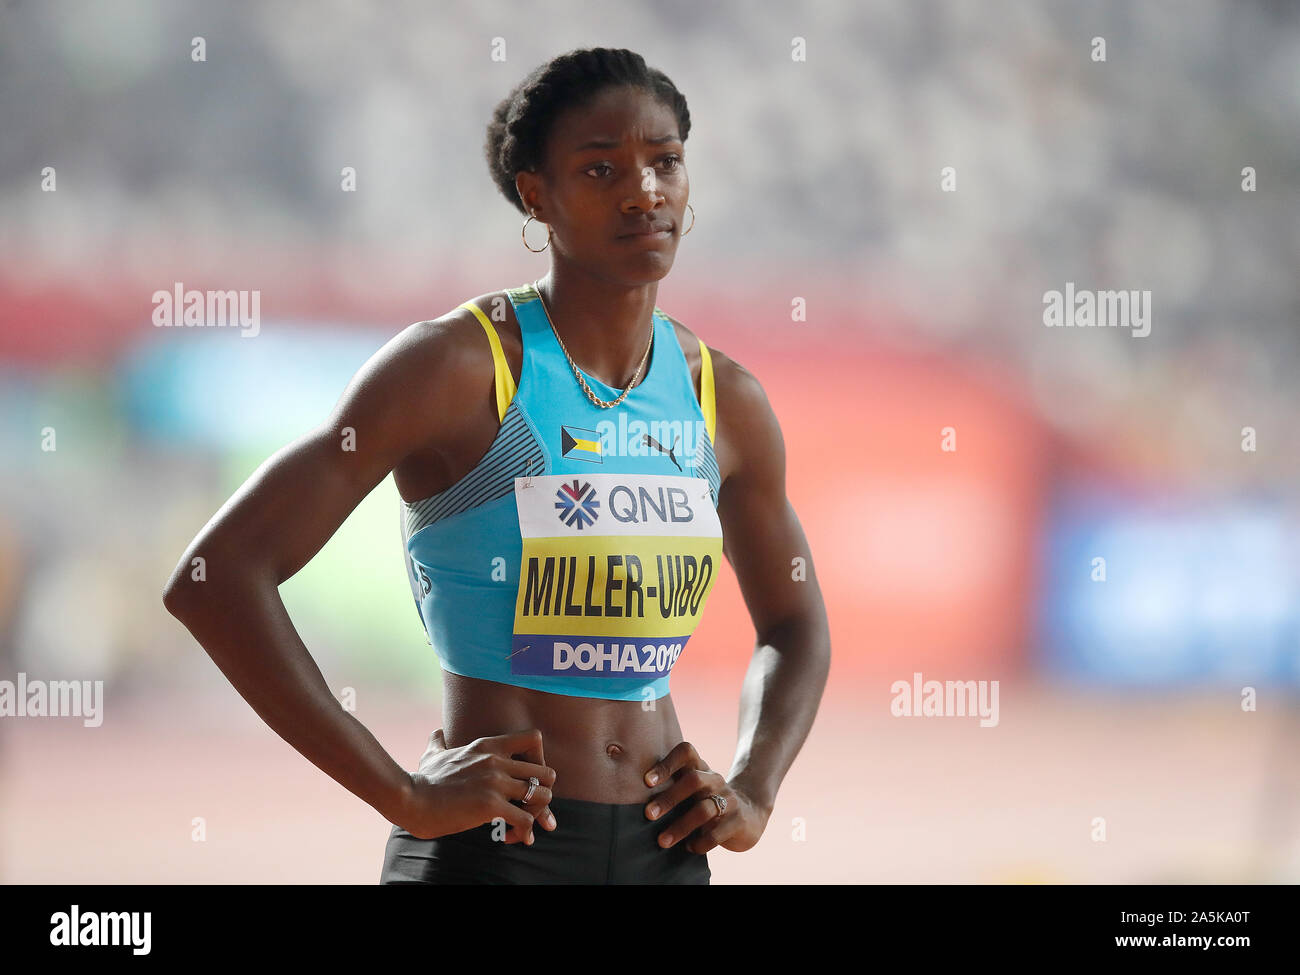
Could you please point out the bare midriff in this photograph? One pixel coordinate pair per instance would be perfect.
(600, 749)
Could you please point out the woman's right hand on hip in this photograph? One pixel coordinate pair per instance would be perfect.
(455, 789)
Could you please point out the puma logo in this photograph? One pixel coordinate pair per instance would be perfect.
(652, 442)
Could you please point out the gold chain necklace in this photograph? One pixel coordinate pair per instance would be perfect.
(603, 404)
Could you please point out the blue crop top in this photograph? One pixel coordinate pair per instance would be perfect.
(577, 555)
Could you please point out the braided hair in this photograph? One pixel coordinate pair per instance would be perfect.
(521, 123)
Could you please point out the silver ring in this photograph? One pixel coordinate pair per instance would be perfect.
(532, 784)
(720, 802)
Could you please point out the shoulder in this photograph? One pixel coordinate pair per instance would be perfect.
(432, 368)
(500, 313)
(495, 305)
(748, 434)
(730, 378)
(496, 308)
(457, 342)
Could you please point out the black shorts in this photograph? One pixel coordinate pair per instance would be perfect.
(593, 843)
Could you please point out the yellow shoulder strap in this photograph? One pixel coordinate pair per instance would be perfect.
(707, 404)
(503, 381)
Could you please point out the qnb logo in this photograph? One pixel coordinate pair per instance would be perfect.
(577, 504)
(640, 506)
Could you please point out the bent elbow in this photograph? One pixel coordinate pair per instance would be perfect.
(174, 598)
(180, 593)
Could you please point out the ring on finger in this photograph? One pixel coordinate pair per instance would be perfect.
(533, 783)
(720, 802)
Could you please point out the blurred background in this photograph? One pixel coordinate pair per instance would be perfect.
(127, 167)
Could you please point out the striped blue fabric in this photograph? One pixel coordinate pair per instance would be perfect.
(514, 453)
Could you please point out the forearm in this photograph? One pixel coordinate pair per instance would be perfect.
(246, 630)
(778, 702)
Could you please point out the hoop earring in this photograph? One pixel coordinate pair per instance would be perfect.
(692, 226)
(538, 250)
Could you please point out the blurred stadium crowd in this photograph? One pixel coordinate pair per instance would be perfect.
(818, 178)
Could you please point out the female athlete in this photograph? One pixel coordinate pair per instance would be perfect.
(572, 464)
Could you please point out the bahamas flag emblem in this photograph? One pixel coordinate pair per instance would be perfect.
(580, 444)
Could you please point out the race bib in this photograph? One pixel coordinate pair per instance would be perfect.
(615, 572)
